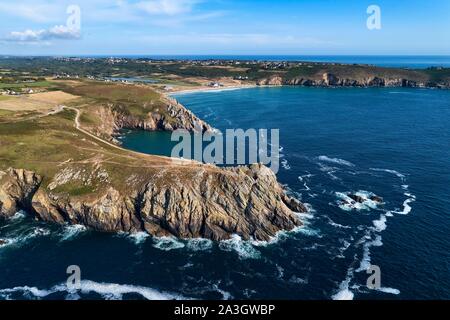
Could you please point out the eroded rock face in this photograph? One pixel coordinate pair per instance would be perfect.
(331, 80)
(17, 187)
(213, 204)
(175, 116)
(273, 81)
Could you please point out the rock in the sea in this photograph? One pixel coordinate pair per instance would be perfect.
(3, 242)
(206, 202)
(356, 198)
(376, 198)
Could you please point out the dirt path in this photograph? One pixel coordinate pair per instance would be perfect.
(174, 162)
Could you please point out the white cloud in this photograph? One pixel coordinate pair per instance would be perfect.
(56, 32)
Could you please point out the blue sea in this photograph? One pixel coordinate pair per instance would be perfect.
(394, 143)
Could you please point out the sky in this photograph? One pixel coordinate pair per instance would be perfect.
(224, 27)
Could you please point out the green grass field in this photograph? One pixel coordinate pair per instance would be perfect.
(38, 84)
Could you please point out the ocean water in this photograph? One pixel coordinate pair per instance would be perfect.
(390, 142)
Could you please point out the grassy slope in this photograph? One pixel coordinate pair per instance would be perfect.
(48, 145)
(129, 99)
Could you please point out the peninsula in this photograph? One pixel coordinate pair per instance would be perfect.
(61, 162)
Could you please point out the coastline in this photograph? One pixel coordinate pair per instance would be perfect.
(210, 89)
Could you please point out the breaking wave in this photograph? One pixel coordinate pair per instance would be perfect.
(111, 291)
(199, 244)
(336, 161)
(138, 237)
(346, 203)
(72, 231)
(244, 249)
(167, 243)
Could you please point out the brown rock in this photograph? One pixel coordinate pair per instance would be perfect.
(209, 202)
(356, 198)
(376, 199)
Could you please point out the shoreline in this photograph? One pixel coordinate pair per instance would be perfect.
(210, 89)
(232, 88)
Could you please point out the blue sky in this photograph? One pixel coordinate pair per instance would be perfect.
(226, 27)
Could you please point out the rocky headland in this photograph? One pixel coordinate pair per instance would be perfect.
(71, 177)
(333, 80)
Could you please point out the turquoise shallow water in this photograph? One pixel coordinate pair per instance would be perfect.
(390, 142)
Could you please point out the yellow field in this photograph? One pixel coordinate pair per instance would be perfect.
(35, 102)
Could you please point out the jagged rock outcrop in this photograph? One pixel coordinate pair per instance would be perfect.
(211, 203)
(17, 189)
(272, 81)
(176, 116)
(331, 80)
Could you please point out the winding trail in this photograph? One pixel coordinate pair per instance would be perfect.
(78, 127)
(172, 162)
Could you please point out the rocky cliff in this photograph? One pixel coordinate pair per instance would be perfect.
(210, 203)
(332, 80)
(168, 117)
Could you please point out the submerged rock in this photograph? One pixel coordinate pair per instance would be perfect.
(376, 198)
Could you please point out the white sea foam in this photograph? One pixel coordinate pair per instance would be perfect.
(406, 205)
(336, 161)
(348, 204)
(25, 237)
(138, 237)
(394, 172)
(7, 242)
(305, 230)
(18, 216)
(344, 292)
(168, 243)
(389, 290)
(285, 165)
(72, 231)
(244, 249)
(345, 246)
(365, 261)
(380, 224)
(111, 291)
(305, 176)
(199, 244)
(306, 187)
(329, 170)
(337, 225)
